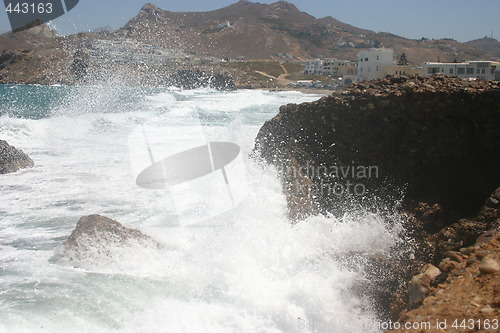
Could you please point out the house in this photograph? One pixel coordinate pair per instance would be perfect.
(398, 70)
(484, 70)
(339, 68)
(371, 63)
(314, 66)
(223, 25)
(331, 66)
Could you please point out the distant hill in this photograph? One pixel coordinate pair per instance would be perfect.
(36, 55)
(156, 42)
(490, 45)
(39, 37)
(259, 31)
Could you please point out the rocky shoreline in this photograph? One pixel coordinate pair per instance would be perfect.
(434, 139)
(434, 148)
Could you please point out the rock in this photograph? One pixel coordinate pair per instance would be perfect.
(419, 285)
(486, 237)
(98, 241)
(455, 256)
(489, 266)
(12, 159)
(439, 140)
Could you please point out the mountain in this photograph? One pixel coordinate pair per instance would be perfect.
(36, 55)
(159, 42)
(260, 31)
(245, 28)
(39, 37)
(344, 26)
(490, 45)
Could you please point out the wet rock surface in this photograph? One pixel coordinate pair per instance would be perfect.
(98, 241)
(435, 140)
(13, 159)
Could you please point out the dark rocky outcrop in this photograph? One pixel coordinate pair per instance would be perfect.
(13, 159)
(435, 144)
(99, 241)
(436, 139)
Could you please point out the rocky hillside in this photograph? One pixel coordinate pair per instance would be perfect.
(490, 45)
(36, 55)
(157, 42)
(259, 31)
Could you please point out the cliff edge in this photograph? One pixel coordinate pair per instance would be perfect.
(428, 148)
(434, 139)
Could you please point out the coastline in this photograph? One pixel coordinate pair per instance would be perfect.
(310, 91)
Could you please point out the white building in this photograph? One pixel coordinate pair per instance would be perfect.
(314, 66)
(484, 70)
(223, 25)
(305, 83)
(370, 63)
(331, 66)
(339, 68)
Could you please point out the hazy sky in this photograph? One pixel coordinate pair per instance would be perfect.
(462, 20)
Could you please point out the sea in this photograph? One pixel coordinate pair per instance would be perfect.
(230, 259)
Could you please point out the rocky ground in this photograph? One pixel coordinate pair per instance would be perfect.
(465, 296)
(462, 280)
(436, 145)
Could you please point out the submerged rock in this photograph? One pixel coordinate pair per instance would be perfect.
(13, 159)
(98, 241)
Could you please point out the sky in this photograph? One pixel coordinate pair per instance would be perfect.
(462, 20)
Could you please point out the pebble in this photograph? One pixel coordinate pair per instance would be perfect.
(455, 256)
(489, 266)
(447, 265)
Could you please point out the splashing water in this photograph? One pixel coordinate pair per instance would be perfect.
(248, 270)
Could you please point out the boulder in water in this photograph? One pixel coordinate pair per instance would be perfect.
(99, 241)
(13, 159)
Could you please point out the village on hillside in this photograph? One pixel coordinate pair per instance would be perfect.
(377, 63)
(300, 51)
(284, 69)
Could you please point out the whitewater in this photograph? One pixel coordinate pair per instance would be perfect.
(243, 268)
